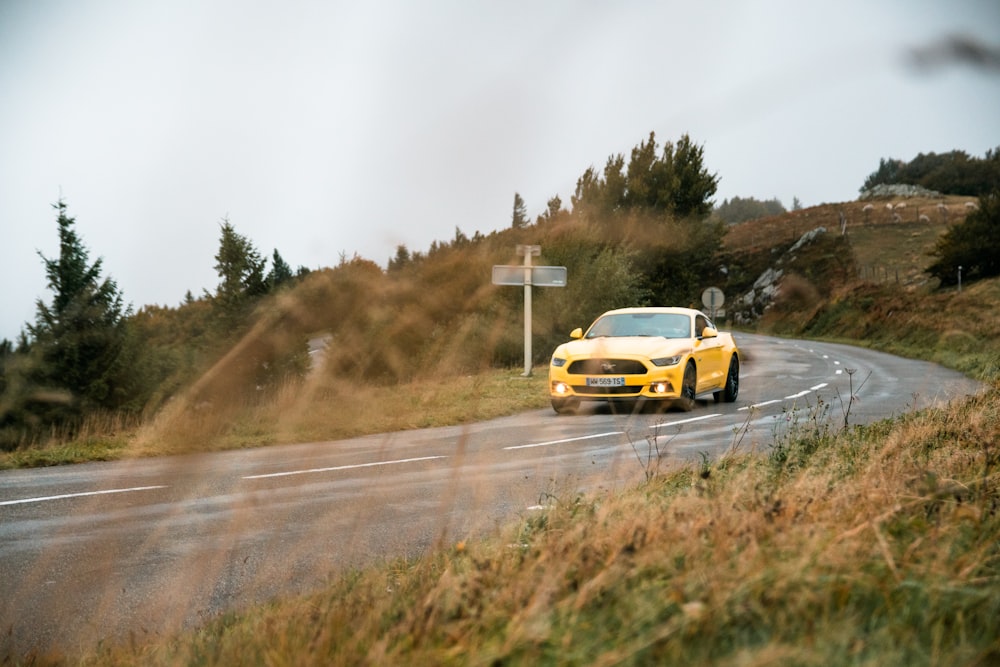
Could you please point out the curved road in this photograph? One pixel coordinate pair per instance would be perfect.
(140, 548)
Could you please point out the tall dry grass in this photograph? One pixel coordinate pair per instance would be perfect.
(873, 545)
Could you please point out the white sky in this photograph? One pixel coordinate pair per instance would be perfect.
(322, 128)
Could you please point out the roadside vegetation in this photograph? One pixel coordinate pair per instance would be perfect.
(875, 545)
(867, 545)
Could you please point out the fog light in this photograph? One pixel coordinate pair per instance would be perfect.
(560, 387)
(661, 387)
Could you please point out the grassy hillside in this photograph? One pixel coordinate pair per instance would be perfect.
(868, 286)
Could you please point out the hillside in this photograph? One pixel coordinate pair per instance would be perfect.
(888, 244)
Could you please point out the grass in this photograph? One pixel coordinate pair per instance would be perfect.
(321, 409)
(875, 545)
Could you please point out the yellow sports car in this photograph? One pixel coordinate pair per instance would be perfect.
(672, 356)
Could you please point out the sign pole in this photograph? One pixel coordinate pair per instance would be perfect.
(528, 251)
(529, 276)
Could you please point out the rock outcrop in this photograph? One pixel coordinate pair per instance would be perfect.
(766, 288)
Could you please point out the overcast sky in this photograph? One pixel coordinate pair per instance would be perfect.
(322, 128)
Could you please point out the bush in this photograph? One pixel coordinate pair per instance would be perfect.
(972, 247)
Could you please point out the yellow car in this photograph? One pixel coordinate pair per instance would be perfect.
(672, 356)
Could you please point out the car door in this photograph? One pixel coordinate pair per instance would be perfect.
(708, 354)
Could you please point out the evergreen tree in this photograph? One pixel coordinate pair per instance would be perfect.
(553, 211)
(241, 273)
(6, 354)
(79, 340)
(739, 209)
(520, 216)
(280, 272)
(674, 184)
(401, 259)
(692, 186)
(973, 245)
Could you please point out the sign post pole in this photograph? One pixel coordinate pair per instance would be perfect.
(528, 251)
(529, 276)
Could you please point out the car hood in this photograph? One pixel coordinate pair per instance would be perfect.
(627, 346)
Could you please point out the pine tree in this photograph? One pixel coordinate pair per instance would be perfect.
(401, 260)
(241, 273)
(280, 272)
(520, 216)
(79, 339)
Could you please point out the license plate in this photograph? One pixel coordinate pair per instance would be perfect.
(606, 381)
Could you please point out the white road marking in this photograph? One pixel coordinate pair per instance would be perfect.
(760, 405)
(559, 442)
(350, 467)
(685, 421)
(78, 495)
(798, 395)
(819, 386)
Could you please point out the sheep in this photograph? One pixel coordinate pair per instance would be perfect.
(924, 218)
(971, 205)
(900, 205)
(868, 207)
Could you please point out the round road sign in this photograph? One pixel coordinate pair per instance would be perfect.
(713, 298)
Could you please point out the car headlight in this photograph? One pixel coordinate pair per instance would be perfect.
(558, 362)
(667, 361)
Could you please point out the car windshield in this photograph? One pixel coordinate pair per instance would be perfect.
(667, 325)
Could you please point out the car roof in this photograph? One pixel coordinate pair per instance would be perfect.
(654, 309)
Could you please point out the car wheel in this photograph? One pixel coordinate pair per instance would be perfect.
(732, 389)
(565, 406)
(688, 388)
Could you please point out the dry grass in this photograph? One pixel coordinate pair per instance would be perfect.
(328, 409)
(873, 546)
(318, 409)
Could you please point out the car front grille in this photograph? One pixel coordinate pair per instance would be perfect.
(584, 390)
(607, 367)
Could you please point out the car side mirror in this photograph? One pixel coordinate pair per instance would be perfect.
(576, 333)
(708, 332)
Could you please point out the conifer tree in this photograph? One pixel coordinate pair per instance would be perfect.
(241, 277)
(79, 339)
(280, 272)
(519, 218)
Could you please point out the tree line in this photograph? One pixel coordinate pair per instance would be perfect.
(89, 352)
(951, 173)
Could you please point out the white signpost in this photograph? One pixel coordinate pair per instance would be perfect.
(528, 275)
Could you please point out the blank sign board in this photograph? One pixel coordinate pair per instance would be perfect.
(541, 276)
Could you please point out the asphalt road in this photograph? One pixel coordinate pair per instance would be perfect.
(140, 548)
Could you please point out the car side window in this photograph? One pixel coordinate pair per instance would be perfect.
(700, 322)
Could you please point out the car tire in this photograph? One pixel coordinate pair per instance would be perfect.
(565, 406)
(732, 388)
(688, 388)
